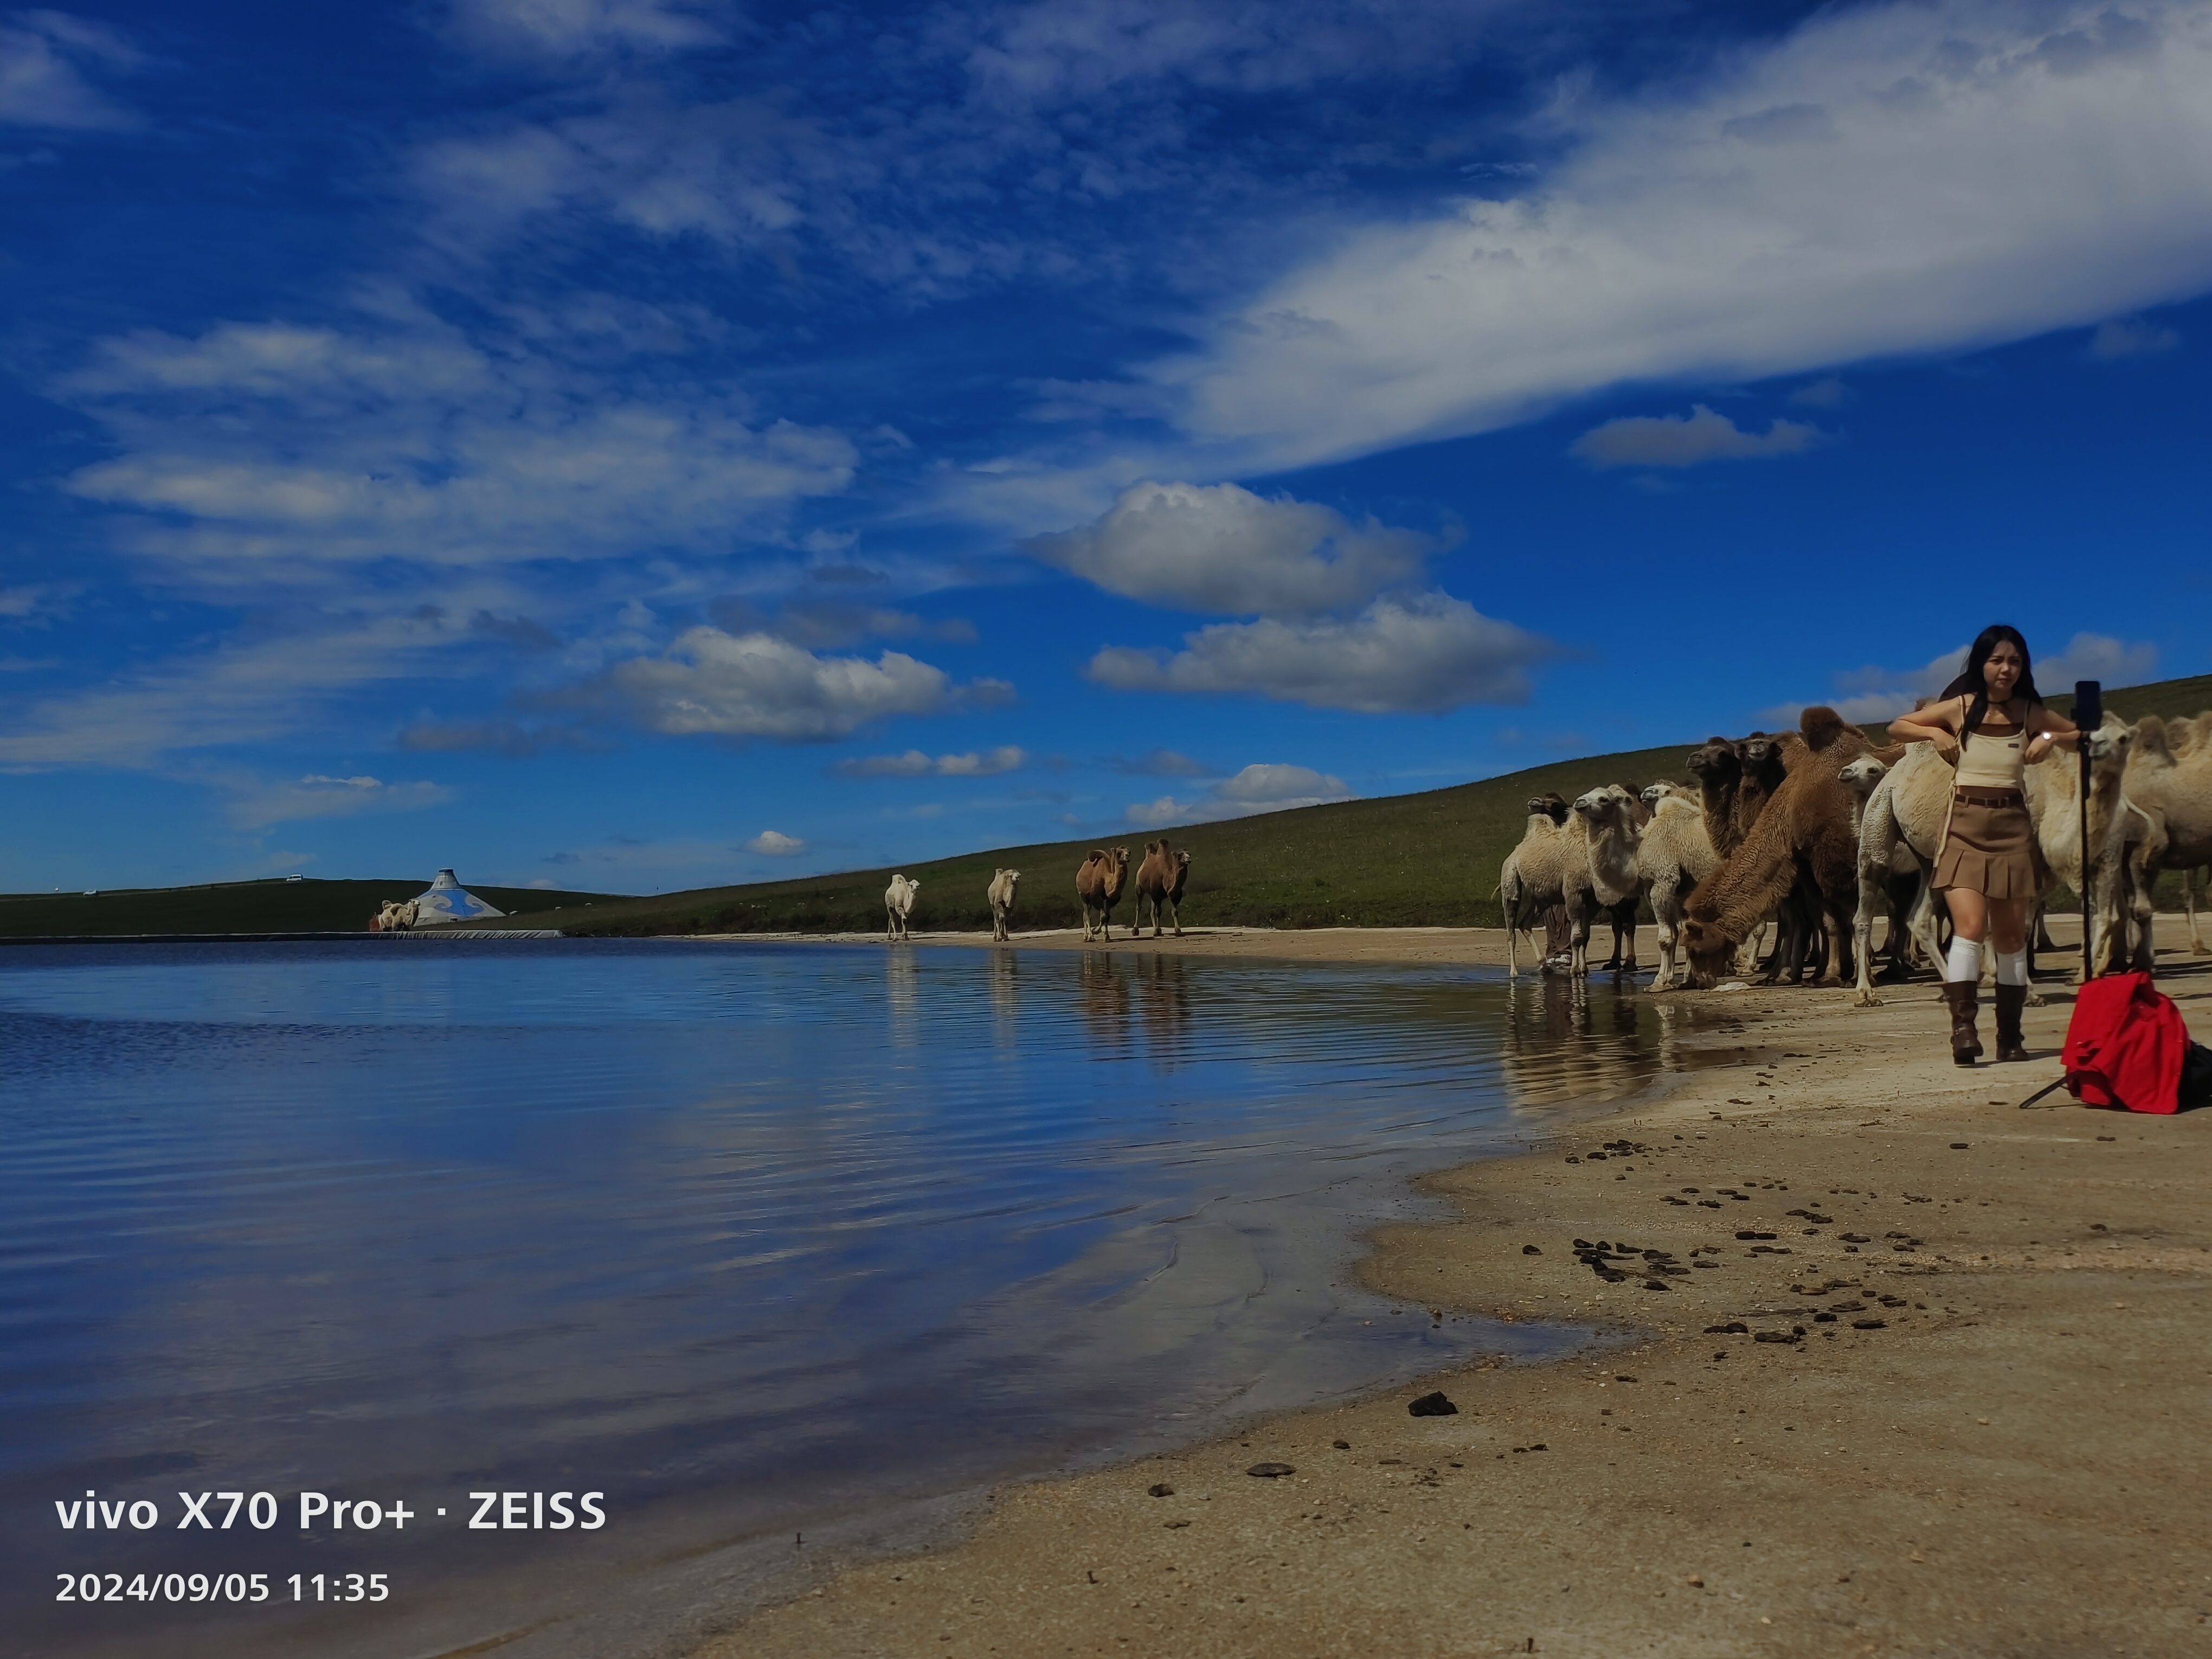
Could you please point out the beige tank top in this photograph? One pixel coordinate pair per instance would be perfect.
(1989, 761)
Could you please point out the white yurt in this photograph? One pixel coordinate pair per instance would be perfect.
(446, 900)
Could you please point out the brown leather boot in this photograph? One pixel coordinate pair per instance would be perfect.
(2011, 998)
(1963, 995)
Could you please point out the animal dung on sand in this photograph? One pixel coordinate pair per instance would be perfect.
(1432, 1405)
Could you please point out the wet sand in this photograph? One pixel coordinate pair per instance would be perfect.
(1997, 1444)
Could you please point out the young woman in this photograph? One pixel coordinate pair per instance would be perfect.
(1989, 723)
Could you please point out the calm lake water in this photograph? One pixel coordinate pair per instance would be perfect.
(748, 1238)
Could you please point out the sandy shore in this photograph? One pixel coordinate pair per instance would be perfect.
(1997, 1444)
(1485, 946)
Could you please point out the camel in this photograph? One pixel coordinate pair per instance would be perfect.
(1612, 821)
(2169, 776)
(1001, 894)
(2122, 839)
(898, 905)
(1899, 834)
(1525, 894)
(1160, 880)
(1098, 883)
(1674, 855)
(395, 917)
(1807, 822)
(1549, 870)
(1719, 772)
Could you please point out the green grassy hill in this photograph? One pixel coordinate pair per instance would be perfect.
(1427, 859)
(275, 906)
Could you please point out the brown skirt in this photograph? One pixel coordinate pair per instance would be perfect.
(1990, 850)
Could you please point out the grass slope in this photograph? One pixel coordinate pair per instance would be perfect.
(1429, 860)
(274, 906)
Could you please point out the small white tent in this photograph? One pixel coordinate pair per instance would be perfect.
(446, 900)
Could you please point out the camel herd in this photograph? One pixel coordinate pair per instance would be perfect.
(1100, 882)
(1814, 833)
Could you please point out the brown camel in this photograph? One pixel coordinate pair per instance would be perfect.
(1160, 881)
(1805, 825)
(1098, 883)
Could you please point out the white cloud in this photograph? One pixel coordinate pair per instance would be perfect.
(2097, 657)
(775, 845)
(243, 692)
(1978, 170)
(1258, 788)
(1687, 439)
(1425, 654)
(1827, 392)
(255, 804)
(756, 686)
(277, 444)
(2130, 337)
(1872, 695)
(1224, 548)
(44, 58)
(915, 765)
(1160, 763)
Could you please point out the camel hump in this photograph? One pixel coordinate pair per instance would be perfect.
(1821, 726)
(2153, 739)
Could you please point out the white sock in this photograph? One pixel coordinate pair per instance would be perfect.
(1965, 962)
(2011, 967)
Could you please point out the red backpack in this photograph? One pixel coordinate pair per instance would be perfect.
(2126, 1046)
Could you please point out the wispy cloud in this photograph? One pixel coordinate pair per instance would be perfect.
(915, 765)
(1421, 655)
(1689, 439)
(1885, 178)
(50, 62)
(1224, 548)
(255, 804)
(1260, 787)
(2130, 337)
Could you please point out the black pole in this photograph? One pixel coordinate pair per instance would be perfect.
(2088, 715)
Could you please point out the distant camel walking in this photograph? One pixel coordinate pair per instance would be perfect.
(1160, 880)
(898, 905)
(1001, 895)
(1098, 883)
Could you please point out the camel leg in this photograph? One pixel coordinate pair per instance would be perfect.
(1870, 891)
(2190, 879)
(1175, 917)
(1578, 961)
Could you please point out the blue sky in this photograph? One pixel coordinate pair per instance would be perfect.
(636, 444)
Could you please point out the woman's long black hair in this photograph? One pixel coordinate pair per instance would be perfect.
(1986, 641)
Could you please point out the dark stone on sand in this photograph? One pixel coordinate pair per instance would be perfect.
(1584, 1244)
(1160, 1489)
(1868, 1324)
(1271, 1471)
(1824, 1319)
(1530, 1249)
(1597, 1157)
(1774, 1336)
(1432, 1405)
(1341, 1445)
(1959, 1145)
(1656, 1284)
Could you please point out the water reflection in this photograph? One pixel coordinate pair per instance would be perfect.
(673, 1219)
